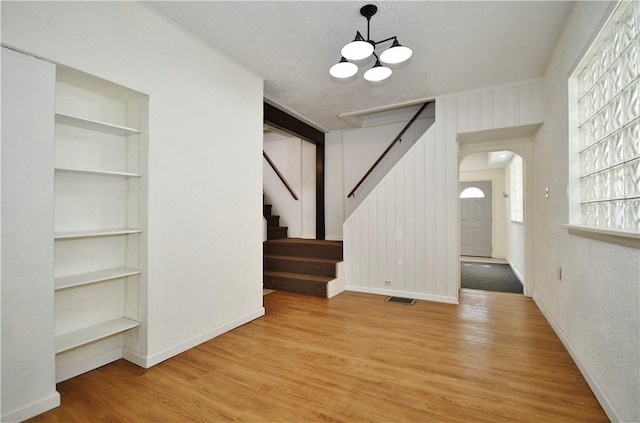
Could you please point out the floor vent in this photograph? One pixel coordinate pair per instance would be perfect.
(407, 301)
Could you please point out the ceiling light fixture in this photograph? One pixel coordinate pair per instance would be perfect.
(360, 49)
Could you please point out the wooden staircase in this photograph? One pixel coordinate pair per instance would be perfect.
(305, 266)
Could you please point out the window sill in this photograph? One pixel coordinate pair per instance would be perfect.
(624, 238)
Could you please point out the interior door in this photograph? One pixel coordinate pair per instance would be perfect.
(476, 219)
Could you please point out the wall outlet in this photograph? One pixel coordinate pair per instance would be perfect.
(387, 283)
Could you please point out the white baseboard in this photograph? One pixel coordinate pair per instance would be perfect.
(593, 384)
(516, 272)
(405, 294)
(76, 369)
(33, 409)
(153, 359)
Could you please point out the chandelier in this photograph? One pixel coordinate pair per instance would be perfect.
(360, 49)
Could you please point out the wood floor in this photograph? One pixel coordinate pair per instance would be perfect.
(353, 358)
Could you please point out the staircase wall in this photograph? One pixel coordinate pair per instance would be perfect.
(296, 160)
(405, 232)
(350, 153)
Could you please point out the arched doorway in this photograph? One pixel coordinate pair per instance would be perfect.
(491, 221)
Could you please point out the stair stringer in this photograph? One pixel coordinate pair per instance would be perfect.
(336, 286)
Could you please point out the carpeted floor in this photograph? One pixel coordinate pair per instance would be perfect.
(489, 277)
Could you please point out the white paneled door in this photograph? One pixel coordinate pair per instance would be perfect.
(476, 219)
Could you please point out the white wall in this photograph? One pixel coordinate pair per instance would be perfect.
(595, 308)
(407, 230)
(28, 369)
(334, 195)
(296, 161)
(348, 156)
(499, 230)
(205, 166)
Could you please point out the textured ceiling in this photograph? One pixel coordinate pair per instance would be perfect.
(457, 46)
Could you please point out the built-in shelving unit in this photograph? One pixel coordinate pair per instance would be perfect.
(100, 215)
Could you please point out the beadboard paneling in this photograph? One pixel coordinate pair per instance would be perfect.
(406, 230)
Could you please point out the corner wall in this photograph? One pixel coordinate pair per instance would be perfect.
(205, 166)
(595, 308)
(28, 367)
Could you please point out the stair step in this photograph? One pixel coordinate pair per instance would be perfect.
(294, 282)
(301, 265)
(266, 209)
(273, 221)
(276, 232)
(298, 247)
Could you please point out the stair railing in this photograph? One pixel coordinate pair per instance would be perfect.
(396, 140)
(275, 169)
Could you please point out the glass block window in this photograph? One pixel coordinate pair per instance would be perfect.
(516, 196)
(608, 136)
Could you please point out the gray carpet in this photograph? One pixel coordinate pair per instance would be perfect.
(489, 277)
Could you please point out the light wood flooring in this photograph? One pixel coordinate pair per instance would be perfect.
(493, 358)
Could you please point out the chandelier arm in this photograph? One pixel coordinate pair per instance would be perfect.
(395, 37)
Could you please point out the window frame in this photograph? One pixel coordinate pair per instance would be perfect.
(516, 194)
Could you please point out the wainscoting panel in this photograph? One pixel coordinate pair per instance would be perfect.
(404, 235)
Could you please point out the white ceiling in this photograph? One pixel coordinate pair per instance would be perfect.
(457, 46)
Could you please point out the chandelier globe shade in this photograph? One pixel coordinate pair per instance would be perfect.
(357, 50)
(377, 73)
(396, 54)
(343, 69)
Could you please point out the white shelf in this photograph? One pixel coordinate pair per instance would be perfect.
(94, 125)
(95, 233)
(98, 172)
(93, 333)
(93, 277)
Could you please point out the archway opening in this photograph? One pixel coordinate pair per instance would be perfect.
(491, 193)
